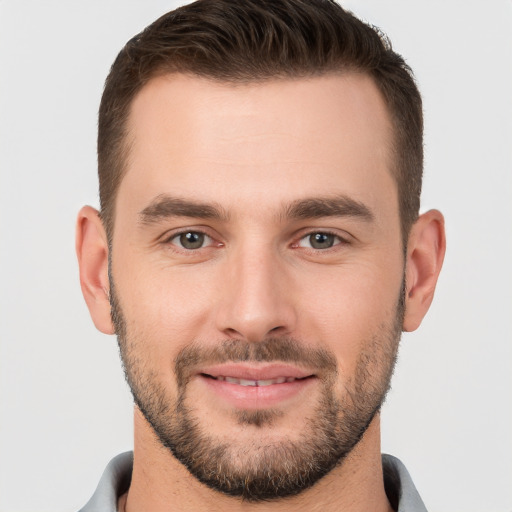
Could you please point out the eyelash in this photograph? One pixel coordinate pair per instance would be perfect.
(169, 239)
(339, 240)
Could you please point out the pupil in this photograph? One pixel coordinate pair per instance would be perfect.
(192, 240)
(321, 240)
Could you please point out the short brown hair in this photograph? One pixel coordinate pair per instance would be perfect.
(236, 41)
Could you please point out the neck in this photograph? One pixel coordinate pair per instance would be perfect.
(160, 483)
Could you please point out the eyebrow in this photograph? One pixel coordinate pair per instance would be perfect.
(164, 206)
(337, 206)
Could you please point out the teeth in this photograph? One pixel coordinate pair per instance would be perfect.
(244, 382)
(247, 382)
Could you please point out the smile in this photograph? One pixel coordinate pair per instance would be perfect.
(252, 387)
(248, 382)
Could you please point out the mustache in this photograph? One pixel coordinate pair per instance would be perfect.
(270, 350)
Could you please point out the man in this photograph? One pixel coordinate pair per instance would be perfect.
(258, 253)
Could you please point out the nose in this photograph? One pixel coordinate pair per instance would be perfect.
(256, 299)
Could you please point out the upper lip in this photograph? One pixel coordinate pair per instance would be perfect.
(255, 372)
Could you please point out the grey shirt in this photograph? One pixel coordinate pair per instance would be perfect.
(116, 478)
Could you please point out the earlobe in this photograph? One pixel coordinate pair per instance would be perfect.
(425, 254)
(92, 252)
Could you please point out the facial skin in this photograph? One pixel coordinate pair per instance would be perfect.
(257, 237)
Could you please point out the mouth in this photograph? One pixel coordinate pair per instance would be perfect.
(253, 387)
(251, 382)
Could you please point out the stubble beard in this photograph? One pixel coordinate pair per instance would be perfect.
(263, 470)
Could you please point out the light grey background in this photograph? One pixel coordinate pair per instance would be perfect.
(64, 407)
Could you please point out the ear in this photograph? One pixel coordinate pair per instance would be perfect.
(92, 253)
(425, 254)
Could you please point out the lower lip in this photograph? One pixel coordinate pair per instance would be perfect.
(257, 397)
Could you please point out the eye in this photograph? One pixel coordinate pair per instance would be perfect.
(319, 240)
(191, 240)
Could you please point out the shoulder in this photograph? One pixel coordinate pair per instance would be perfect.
(400, 489)
(115, 481)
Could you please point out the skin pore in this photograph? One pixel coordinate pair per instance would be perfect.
(257, 237)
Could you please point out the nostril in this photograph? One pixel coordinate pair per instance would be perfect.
(232, 333)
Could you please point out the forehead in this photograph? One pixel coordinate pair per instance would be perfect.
(259, 142)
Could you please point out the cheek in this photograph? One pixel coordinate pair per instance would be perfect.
(351, 309)
(166, 307)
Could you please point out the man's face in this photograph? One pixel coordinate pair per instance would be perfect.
(257, 274)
